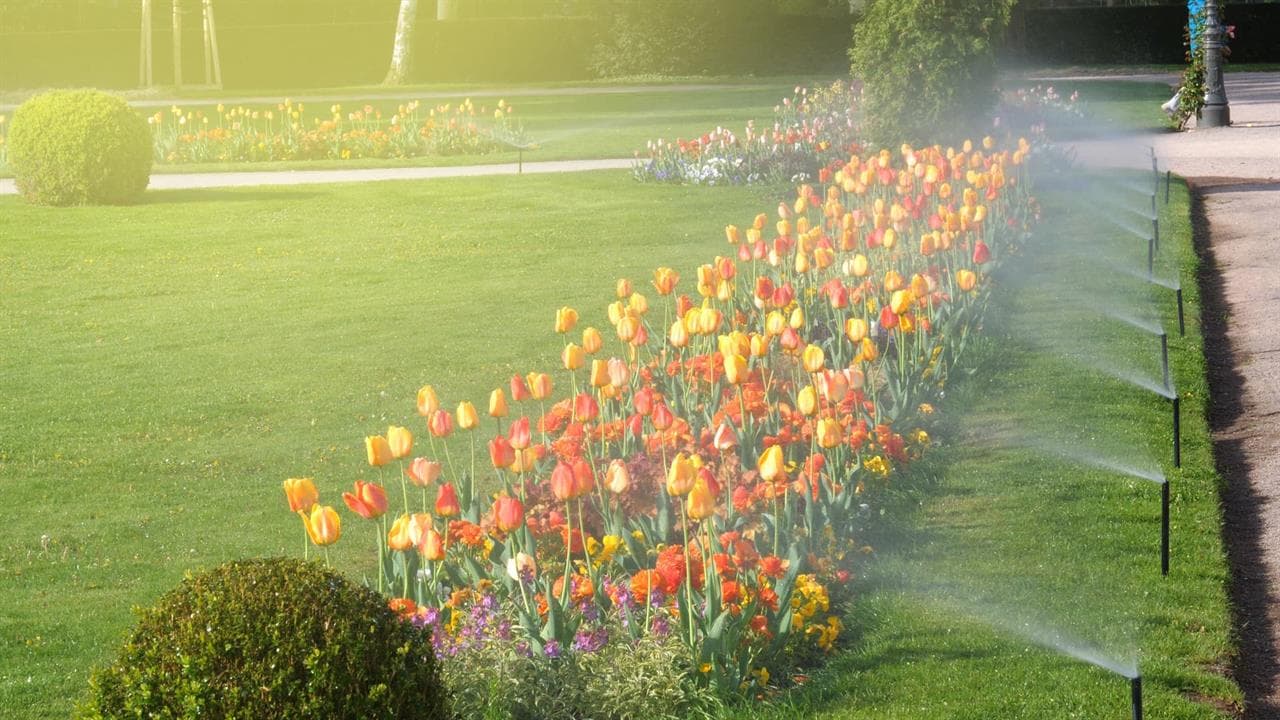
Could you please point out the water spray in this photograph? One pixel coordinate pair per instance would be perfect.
(1177, 431)
(1164, 359)
(1155, 231)
(1151, 257)
(1135, 696)
(1154, 211)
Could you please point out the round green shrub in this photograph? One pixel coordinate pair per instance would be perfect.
(79, 147)
(928, 67)
(269, 639)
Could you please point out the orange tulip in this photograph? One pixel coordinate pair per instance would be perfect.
(566, 319)
(467, 417)
(508, 513)
(447, 501)
(497, 404)
(301, 494)
(829, 433)
(869, 351)
(398, 535)
(701, 503)
(623, 288)
(423, 472)
(427, 401)
(432, 546)
(664, 280)
(518, 435)
(562, 483)
(368, 501)
(771, 464)
(419, 524)
(592, 341)
(599, 372)
(893, 281)
(681, 475)
(324, 527)
(440, 424)
(378, 450)
(519, 389)
(617, 478)
(400, 441)
(540, 385)
(501, 454)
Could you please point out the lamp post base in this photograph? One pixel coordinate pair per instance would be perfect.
(1214, 116)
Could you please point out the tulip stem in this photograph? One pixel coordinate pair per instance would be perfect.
(326, 557)
(568, 552)
(688, 571)
(306, 544)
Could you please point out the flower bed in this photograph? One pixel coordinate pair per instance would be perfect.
(809, 130)
(288, 132)
(702, 480)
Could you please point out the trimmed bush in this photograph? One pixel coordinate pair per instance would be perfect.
(79, 147)
(270, 639)
(927, 67)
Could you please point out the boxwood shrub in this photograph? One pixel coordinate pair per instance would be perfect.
(270, 639)
(78, 147)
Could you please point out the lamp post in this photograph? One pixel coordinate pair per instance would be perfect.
(1216, 112)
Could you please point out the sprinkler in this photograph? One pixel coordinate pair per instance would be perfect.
(1182, 325)
(1168, 182)
(1151, 257)
(1135, 696)
(1154, 211)
(1164, 359)
(1177, 432)
(1164, 527)
(1155, 231)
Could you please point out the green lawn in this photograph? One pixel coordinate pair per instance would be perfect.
(1014, 547)
(166, 366)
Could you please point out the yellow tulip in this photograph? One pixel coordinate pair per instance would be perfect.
(901, 301)
(467, 417)
(700, 503)
(400, 441)
(427, 401)
(807, 400)
(301, 494)
(966, 280)
(592, 341)
(398, 536)
(771, 463)
(638, 303)
(324, 527)
(679, 335)
(599, 373)
(681, 475)
(623, 288)
(829, 433)
(497, 403)
(572, 357)
(378, 450)
(735, 368)
(856, 329)
(566, 319)
(812, 358)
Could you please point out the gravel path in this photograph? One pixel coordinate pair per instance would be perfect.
(186, 181)
(1235, 173)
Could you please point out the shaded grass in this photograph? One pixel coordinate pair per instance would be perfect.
(167, 365)
(1018, 549)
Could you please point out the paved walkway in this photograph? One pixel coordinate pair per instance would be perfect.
(187, 181)
(1235, 173)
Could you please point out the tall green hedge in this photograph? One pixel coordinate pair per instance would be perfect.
(928, 67)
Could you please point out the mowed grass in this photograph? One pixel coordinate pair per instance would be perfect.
(1015, 549)
(166, 366)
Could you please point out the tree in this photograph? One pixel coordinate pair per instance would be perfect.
(402, 51)
(927, 67)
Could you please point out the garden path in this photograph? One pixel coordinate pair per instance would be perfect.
(188, 181)
(1235, 175)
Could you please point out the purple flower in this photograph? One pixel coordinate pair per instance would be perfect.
(660, 627)
(589, 642)
(552, 649)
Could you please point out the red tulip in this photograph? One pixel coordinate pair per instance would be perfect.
(447, 501)
(501, 453)
(441, 424)
(368, 501)
(508, 513)
(518, 435)
(562, 482)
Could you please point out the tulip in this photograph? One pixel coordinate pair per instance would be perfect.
(856, 329)
(562, 482)
(829, 432)
(735, 368)
(662, 417)
(398, 535)
(774, 323)
(869, 351)
(540, 385)
(441, 424)
(759, 345)
(638, 304)
(860, 266)
(966, 280)
(790, 339)
(467, 417)
(628, 327)
(324, 527)
(981, 253)
(427, 401)
(771, 463)
(732, 234)
(592, 341)
(301, 494)
(900, 302)
(893, 281)
(419, 524)
(400, 441)
(572, 357)
(623, 288)
(432, 546)
(679, 335)
(378, 450)
(508, 513)
(680, 476)
(584, 477)
(501, 454)
(701, 503)
(518, 435)
(644, 400)
(617, 478)
(423, 472)
(664, 280)
(812, 358)
(619, 372)
(522, 567)
(566, 319)
(519, 390)
(807, 400)
(497, 404)
(599, 373)
(368, 501)
(725, 438)
(585, 407)
(447, 501)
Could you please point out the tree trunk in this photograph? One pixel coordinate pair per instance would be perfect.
(402, 51)
(177, 43)
(445, 9)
